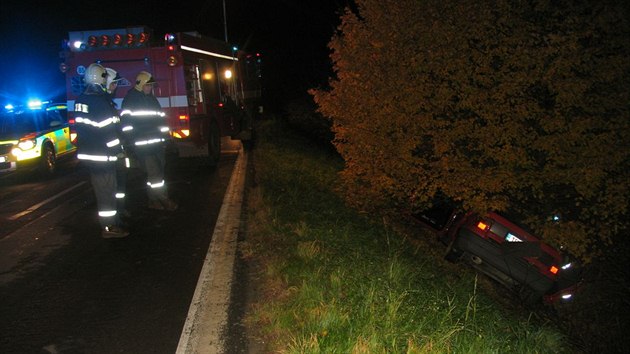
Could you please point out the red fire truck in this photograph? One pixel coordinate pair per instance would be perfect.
(207, 88)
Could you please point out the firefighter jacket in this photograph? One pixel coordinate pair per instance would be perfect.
(144, 123)
(97, 123)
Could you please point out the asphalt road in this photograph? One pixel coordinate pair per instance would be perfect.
(64, 289)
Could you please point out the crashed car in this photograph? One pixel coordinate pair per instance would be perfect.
(497, 246)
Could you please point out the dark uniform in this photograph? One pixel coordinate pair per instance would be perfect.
(98, 147)
(145, 130)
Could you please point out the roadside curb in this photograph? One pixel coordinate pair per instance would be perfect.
(207, 317)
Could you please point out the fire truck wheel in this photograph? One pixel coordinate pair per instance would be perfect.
(214, 144)
(48, 160)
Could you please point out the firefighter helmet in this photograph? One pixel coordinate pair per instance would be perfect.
(112, 76)
(142, 79)
(96, 74)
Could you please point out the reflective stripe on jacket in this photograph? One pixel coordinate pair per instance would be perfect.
(97, 123)
(143, 121)
(97, 158)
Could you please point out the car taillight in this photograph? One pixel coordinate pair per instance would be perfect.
(483, 226)
(73, 131)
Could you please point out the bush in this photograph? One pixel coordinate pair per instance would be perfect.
(302, 115)
(521, 104)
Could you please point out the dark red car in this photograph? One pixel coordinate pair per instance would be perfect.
(505, 251)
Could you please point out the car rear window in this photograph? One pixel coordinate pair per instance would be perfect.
(516, 218)
(499, 229)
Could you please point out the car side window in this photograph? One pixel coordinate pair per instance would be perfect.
(54, 119)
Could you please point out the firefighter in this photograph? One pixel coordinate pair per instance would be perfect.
(145, 128)
(99, 146)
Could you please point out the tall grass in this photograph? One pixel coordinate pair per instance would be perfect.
(332, 280)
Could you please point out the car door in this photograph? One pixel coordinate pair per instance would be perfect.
(60, 131)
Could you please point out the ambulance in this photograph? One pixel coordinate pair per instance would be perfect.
(34, 136)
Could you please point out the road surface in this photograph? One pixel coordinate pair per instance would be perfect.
(64, 289)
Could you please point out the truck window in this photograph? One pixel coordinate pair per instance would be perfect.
(227, 83)
(193, 85)
(210, 82)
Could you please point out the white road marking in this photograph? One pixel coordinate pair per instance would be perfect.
(208, 311)
(40, 204)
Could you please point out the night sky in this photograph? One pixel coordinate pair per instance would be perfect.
(292, 36)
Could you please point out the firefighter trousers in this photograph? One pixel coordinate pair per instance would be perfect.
(153, 162)
(104, 182)
(122, 173)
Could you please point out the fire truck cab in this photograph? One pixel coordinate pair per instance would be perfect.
(207, 88)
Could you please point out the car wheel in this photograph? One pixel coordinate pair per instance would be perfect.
(48, 162)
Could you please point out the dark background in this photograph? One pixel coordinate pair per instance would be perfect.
(291, 35)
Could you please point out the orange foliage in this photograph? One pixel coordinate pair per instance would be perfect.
(495, 103)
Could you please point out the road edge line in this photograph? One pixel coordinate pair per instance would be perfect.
(208, 312)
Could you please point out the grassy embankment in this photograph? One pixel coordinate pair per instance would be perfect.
(336, 281)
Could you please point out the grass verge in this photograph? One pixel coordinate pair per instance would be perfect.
(332, 280)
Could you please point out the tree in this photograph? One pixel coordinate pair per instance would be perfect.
(496, 104)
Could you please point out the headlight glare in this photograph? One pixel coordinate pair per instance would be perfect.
(27, 144)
